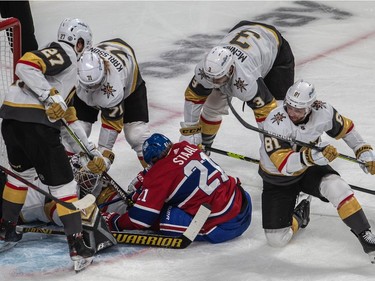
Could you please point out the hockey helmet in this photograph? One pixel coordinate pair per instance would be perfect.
(155, 147)
(91, 70)
(71, 30)
(301, 95)
(217, 65)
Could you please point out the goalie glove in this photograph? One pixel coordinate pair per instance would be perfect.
(312, 156)
(54, 104)
(366, 155)
(191, 132)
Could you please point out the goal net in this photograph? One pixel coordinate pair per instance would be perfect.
(10, 52)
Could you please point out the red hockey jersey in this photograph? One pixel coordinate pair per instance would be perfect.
(185, 178)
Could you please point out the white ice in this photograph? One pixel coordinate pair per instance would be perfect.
(335, 51)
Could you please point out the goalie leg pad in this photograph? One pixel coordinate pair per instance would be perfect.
(95, 230)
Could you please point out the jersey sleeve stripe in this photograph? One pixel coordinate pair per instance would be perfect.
(35, 65)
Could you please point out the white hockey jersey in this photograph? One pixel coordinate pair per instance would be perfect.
(255, 48)
(121, 79)
(275, 154)
(39, 71)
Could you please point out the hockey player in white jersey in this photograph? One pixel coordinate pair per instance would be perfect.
(31, 126)
(253, 63)
(287, 169)
(110, 81)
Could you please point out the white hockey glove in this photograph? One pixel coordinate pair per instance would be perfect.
(191, 132)
(366, 155)
(312, 156)
(54, 104)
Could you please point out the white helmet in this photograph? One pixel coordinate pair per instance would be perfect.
(301, 95)
(217, 64)
(91, 70)
(71, 30)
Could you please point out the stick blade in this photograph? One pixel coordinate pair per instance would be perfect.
(85, 202)
(198, 221)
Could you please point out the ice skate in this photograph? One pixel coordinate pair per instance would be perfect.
(80, 253)
(8, 235)
(367, 239)
(302, 212)
(82, 263)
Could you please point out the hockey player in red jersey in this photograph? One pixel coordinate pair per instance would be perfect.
(288, 169)
(179, 179)
(253, 63)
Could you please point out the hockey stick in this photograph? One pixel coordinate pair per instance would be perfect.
(138, 238)
(81, 204)
(126, 197)
(284, 138)
(233, 155)
(256, 161)
(100, 206)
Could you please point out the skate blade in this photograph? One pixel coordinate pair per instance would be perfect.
(5, 246)
(372, 257)
(81, 264)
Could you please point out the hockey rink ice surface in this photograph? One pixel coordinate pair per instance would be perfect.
(334, 48)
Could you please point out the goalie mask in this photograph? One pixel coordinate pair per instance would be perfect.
(71, 31)
(218, 66)
(88, 182)
(91, 70)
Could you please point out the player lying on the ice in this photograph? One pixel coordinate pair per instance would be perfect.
(180, 178)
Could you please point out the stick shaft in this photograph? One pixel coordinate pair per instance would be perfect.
(256, 161)
(48, 195)
(284, 138)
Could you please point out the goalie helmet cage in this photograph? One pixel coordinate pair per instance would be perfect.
(10, 52)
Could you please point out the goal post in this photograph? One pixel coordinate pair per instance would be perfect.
(10, 52)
